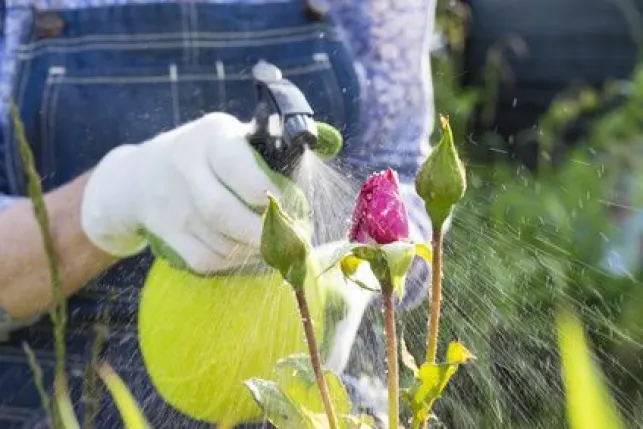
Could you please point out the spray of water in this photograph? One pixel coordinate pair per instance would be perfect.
(331, 195)
(500, 291)
(504, 278)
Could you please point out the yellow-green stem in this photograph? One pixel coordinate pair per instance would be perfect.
(391, 358)
(58, 313)
(315, 359)
(436, 296)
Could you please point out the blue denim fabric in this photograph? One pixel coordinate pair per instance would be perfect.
(121, 75)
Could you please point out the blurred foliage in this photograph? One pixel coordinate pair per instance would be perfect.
(589, 404)
(525, 241)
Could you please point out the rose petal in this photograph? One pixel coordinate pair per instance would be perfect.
(380, 214)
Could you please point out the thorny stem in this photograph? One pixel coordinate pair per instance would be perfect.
(58, 313)
(391, 358)
(314, 357)
(436, 295)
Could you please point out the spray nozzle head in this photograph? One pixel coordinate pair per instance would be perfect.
(297, 130)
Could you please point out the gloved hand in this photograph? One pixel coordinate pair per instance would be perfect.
(198, 190)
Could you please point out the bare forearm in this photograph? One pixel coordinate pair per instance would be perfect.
(25, 282)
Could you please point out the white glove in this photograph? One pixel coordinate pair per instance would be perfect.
(199, 188)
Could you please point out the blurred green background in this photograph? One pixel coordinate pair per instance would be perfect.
(526, 240)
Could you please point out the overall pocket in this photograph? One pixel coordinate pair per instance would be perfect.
(85, 114)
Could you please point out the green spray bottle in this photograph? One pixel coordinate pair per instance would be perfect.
(202, 337)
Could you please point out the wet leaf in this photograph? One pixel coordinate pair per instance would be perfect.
(367, 253)
(294, 401)
(130, 411)
(316, 420)
(349, 266)
(280, 411)
(457, 353)
(338, 254)
(357, 422)
(407, 358)
(431, 380)
(589, 405)
(399, 256)
(424, 251)
(296, 379)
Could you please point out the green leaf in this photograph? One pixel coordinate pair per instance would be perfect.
(589, 405)
(349, 266)
(361, 421)
(280, 411)
(457, 353)
(424, 251)
(335, 310)
(338, 255)
(315, 420)
(64, 408)
(296, 378)
(293, 399)
(407, 358)
(130, 411)
(350, 256)
(431, 380)
(368, 253)
(399, 256)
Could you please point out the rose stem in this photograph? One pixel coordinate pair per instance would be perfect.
(314, 357)
(391, 358)
(436, 295)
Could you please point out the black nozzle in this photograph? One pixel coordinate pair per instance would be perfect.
(297, 130)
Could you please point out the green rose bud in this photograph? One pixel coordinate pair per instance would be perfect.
(329, 142)
(284, 244)
(441, 181)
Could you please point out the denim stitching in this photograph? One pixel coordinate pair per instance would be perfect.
(49, 150)
(98, 80)
(174, 92)
(185, 38)
(221, 76)
(178, 36)
(193, 32)
(132, 46)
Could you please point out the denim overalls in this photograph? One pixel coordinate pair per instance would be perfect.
(92, 79)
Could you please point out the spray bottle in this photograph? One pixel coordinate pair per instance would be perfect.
(201, 338)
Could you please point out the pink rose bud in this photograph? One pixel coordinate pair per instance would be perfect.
(380, 214)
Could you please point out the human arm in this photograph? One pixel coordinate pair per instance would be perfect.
(25, 286)
(180, 186)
